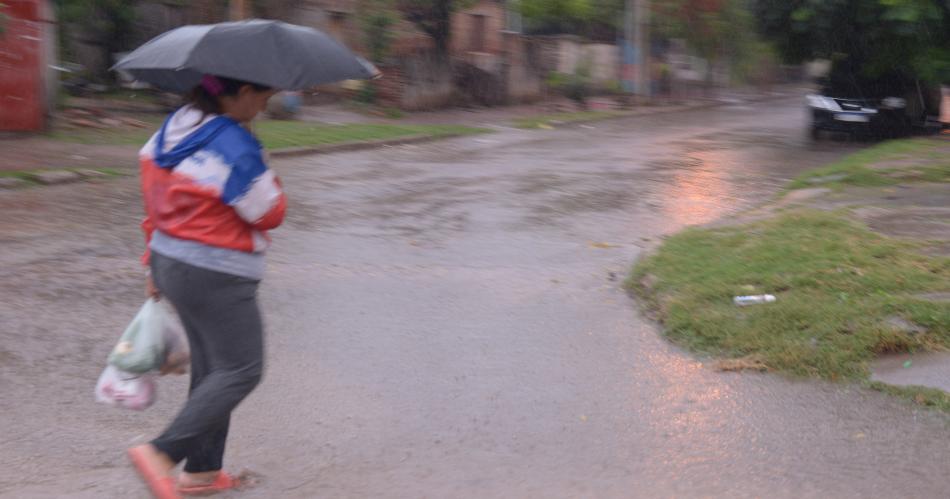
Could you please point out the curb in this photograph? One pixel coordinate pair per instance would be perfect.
(57, 177)
(292, 152)
(51, 177)
(670, 110)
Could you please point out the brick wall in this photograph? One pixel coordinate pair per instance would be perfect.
(482, 24)
(416, 82)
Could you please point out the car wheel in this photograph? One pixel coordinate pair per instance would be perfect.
(814, 133)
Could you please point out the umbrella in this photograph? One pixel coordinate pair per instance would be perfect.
(272, 53)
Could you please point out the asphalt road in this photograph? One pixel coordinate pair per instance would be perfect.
(448, 320)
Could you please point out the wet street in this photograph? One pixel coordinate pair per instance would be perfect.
(448, 320)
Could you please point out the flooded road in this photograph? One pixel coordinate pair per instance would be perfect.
(448, 320)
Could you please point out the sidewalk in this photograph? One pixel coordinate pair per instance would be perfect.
(40, 152)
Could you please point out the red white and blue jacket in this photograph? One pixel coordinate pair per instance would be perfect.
(204, 181)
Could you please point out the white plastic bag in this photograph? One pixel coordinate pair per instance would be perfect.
(153, 339)
(128, 390)
(177, 353)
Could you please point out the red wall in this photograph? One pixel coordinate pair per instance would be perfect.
(22, 95)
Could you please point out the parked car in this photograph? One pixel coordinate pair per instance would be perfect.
(858, 116)
(885, 107)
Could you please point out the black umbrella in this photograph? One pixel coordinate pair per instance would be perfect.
(272, 53)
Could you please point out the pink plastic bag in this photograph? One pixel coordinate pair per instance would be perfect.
(127, 390)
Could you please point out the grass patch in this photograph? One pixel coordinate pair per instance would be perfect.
(368, 109)
(280, 134)
(22, 175)
(837, 283)
(129, 95)
(549, 120)
(920, 395)
(924, 164)
(29, 175)
(275, 134)
(113, 172)
(117, 136)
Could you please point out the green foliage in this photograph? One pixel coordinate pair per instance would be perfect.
(376, 19)
(107, 24)
(433, 17)
(576, 86)
(874, 37)
(755, 63)
(720, 31)
(715, 29)
(367, 93)
(596, 19)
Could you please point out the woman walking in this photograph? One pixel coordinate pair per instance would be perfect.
(209, 201)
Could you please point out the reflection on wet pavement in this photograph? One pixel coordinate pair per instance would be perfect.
(700, 190)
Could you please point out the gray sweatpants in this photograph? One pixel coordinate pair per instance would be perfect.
(223, 324)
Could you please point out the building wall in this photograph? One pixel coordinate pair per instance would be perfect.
(604, 62)
(479, 28)
(51, 54)
(416, 82)
(567, 54)
(25, 57)
(524, 78)
(336, 18)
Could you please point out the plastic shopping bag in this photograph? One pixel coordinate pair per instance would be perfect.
(154, 338)
(123, 389)
(177, 353)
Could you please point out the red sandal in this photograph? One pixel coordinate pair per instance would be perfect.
(221, 483)
(161, 485)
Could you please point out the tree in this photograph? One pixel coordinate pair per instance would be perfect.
(434, 18)
(376, 20)
(271, 9)
(3, 18)
(595, 19)
(106, 24)
(868, 38)
(714, 29)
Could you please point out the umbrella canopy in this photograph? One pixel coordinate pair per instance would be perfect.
(271, 53)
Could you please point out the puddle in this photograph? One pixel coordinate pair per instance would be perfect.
(926, 369)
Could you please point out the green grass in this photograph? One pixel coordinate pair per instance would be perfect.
(836, 282)
(118, 136)
(920, 395)
(548, 120)
(281, 134)
(368, 109)
(22, 175)
(128, 95)
(275, 134)
(924, 163)
(28, 175)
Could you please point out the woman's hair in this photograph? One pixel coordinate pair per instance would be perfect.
(206, 96)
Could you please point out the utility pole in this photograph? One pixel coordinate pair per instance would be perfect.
(635, 51)
(627, 50)
(237, 10)
(642, 40)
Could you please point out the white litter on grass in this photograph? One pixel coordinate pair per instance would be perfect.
(743, 301)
